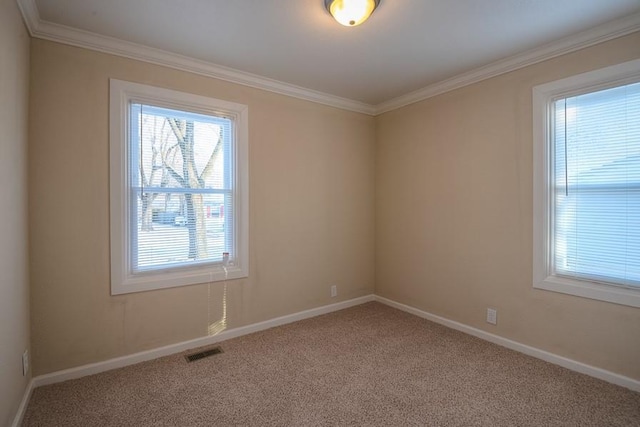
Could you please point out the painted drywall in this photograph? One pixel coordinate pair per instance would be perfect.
(311, 212)
(14, 278)
(454, 216)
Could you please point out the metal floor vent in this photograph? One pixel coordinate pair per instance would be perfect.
(202, 354)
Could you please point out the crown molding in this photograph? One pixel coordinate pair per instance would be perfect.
(88, 40)
(593, 36)
(30, 14)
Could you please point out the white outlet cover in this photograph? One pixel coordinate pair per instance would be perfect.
(25, 362)
(492, 316)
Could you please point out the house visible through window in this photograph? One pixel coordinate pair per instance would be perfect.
(178, 188)
(588, 185)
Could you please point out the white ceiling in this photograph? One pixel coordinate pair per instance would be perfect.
(406, 44)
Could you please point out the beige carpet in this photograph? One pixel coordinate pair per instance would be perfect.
(367, 365)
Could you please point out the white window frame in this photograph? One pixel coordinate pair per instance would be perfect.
(543, 96)
(122, 94)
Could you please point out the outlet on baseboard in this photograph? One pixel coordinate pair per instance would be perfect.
(334, 291)
(25, 363)
(492, 316)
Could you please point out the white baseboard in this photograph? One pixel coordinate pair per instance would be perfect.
(573, 365)
(132, 359)
(17, 421)
(119, 362)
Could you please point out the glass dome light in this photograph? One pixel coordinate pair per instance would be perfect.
(351, 12)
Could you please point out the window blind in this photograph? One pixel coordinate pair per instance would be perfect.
(596, 186)
(181, 188)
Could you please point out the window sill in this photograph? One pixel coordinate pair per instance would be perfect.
(591, 290)
(169, 279)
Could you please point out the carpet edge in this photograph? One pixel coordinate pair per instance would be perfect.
(573, 365)
(143, 356)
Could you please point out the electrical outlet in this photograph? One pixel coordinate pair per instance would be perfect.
(492, 316)
(25, 363)
(334, 291)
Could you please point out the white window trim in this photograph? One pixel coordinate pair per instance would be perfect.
(543, 277)
(122, 281)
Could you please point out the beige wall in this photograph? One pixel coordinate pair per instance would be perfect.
(454, 216)
(311, 216)
(14, 282)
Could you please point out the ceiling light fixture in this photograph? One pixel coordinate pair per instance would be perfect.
(351, 12)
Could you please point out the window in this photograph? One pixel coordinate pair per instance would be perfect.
(587, 185)
(179, 188)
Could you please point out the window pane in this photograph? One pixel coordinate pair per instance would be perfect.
(182, 189)
(597, 186)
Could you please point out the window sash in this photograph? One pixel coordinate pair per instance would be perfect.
(182, 190)
(583, 245)
(174, 246)
(545, 188)
(125, 188)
